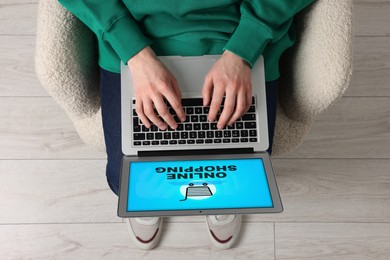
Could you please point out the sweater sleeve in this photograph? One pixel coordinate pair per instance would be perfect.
(262, 22)
(111, 21)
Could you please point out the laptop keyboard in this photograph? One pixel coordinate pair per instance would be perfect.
(196, 129)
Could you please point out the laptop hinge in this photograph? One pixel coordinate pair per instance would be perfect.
(196, 152)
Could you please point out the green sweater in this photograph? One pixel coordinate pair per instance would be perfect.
(248, 28)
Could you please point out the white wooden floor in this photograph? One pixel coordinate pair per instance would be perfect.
(55, 203)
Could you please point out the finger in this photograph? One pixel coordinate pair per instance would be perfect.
(163, 111)
(176, 88)
(216, 102)
(140, 112)
(206, 90)
(228, 109)
(177, 106)
(149, 112)
(240, 109)
(248, 94)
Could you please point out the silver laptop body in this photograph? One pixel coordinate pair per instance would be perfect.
(190, 73)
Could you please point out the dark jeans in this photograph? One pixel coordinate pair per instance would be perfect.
(110, 90)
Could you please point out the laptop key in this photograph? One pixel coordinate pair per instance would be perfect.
(210, 134)
(189, 110)
(248, 117)
(182, 141)
(155, 142)
(158, 136)
(137, 143)
(164, 142)
(192, 102)
(203, 118)
(167, 135)
(146, 143)
(173, 142)
(194, 118)
(250, 125)
(188, 127)
(227, 133)
(190, 141)
(235, 133)
(252, 132)
(253, 140)
(199, 141)
(244, 133)
(198, 110)
(201, 134)
(139, 136)
(197, 126)
(218, 134)
(226, 141)
(150, 136)
(137, 128)
(217, 141)
(193, 135)
(239, 125)
(208, 141)
(244, 140)
(176, 135)
(184, 135)
(205, 126)
(235, 140)
(135, 121)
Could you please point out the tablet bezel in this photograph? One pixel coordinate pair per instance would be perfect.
(124, 181)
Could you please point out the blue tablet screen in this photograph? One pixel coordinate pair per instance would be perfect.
(194, 185)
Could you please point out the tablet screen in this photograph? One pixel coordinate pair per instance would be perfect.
(198, 184)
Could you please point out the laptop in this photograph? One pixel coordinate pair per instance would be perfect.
(196, 169)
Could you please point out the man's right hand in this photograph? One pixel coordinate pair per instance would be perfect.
(152, 83)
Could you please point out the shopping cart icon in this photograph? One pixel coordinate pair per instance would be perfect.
(197, 190)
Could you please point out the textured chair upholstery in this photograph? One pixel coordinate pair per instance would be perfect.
(315, 72)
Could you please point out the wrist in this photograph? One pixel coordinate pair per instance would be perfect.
(234, 57)
(143, 55)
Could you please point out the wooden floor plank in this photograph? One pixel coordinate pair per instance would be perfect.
(332, 241)
(111, 241)
(17, 74)
(20, 19)
(50, 191)
(37, 128)
(371, 67)
(371, 17)
(351, 128)
(18, 2)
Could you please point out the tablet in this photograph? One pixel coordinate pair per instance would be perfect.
(198, 185)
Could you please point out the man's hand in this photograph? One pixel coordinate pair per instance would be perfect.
(152, 83)
(230, 76)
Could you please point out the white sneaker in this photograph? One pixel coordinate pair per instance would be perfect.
(145, 232)
(223, 230)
